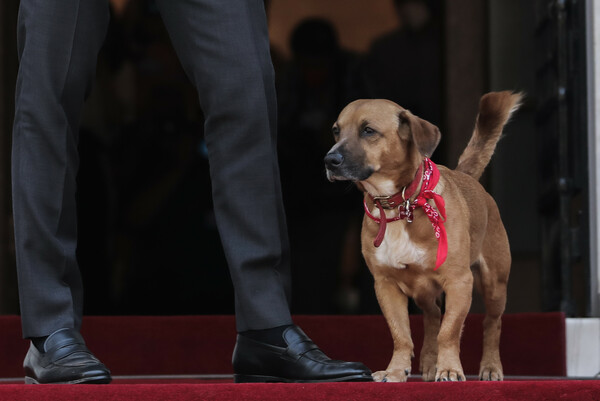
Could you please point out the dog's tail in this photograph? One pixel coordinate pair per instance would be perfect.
(495, 109)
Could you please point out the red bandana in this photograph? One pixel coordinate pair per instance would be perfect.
(431, 176)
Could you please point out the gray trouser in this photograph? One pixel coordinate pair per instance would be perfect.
(224, 48)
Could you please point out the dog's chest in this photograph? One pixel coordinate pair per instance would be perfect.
(397, 250)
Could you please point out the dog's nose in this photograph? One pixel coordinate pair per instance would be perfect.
(333, 160)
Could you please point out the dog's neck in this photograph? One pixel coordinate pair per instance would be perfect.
(382, 187)
(394, 192)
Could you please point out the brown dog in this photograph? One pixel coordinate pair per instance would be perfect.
(385, 149)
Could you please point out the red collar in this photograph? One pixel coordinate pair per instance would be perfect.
(396, 200)
(429, 174)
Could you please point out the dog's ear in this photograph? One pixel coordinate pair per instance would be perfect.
(425, 135)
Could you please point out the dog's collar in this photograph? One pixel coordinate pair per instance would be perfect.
(400, 198)
(428, 175)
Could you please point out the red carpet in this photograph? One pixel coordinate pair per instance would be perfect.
(531, 344)
(469, 391)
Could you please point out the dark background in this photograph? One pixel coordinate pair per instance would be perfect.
(148, 242)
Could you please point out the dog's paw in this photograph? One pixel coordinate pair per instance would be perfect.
(491, 372)
(379, 376)
(428, 367)
(392, 376)
(454, 374)
(428, 372)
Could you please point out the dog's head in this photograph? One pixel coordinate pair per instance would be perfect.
(378, 145)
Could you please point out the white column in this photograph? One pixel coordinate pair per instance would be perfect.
(593, 74)
(583, 347)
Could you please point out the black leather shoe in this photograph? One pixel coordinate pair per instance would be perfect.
(301, 362)
(65, 359)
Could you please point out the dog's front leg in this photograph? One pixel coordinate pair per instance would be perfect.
(458, 302)
(394, 305)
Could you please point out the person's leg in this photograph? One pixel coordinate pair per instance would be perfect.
(224, 48)
(58, 42)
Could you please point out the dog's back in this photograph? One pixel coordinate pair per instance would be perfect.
(495, 109)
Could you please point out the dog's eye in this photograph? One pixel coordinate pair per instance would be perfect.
(335, 130)
(367, 131)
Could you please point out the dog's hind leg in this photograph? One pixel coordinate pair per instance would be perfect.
(431, 323)
(494, 295)
(494, 267)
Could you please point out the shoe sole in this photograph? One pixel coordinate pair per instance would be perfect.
(273, 379)
(88, 380)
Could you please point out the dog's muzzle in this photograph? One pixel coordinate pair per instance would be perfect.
(333, 163)
(341, 168)
(333, 160)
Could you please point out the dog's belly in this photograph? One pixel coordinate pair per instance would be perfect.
(398, 251)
